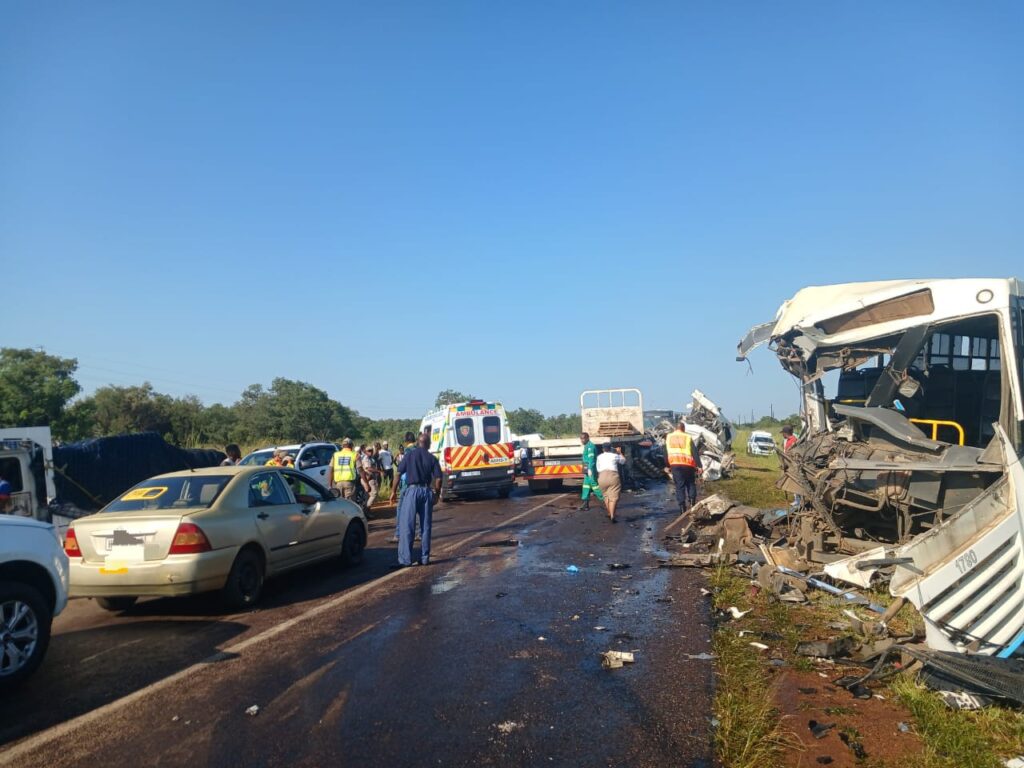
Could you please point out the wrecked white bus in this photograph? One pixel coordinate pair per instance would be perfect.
(910, 456)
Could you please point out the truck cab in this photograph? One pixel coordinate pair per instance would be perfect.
(26, 462)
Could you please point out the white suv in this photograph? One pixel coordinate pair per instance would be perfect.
(311, 459)
(761, 444)
(33, 589)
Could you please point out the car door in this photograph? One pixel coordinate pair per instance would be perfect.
(315, 461)
(323, 526)
(279, 518)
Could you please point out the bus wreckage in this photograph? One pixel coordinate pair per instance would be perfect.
(909, 462)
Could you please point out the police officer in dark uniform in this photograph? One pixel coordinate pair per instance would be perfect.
(421, 470)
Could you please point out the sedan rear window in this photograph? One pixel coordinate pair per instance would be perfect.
(171, 493)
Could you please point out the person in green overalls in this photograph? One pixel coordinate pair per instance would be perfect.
(589, 472)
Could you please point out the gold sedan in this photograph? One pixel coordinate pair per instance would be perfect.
(219, 528)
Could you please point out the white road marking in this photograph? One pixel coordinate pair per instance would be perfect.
(110, 650)
(12, 753)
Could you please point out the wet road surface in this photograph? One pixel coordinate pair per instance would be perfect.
(489, 656)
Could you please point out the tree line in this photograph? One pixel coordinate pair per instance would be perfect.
(39, 389)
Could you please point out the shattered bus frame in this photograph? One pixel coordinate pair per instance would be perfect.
(914, 464)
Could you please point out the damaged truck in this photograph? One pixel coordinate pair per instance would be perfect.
(910, 456)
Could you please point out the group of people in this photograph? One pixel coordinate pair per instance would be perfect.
(604, 473)
(367, 465)
(417, 486)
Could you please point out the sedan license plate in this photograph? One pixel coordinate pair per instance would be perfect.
(472, 473)
(121, 556)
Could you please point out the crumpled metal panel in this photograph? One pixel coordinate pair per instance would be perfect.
(967, 577)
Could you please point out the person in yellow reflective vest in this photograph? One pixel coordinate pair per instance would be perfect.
(344, 470)
(280, 459)
(683, 457)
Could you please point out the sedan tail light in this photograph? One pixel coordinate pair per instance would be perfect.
(71, 544)
(189, 539)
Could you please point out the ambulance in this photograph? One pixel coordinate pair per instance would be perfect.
(473, 444)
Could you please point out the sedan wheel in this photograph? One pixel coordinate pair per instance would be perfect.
(24, 632)
(354, 544)
(245, 582)
(116, 604)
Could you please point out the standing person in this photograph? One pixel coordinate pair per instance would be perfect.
(421, 470)
(399, 487)
(234, 455)
(788, 438)
(683, 465)
(387, 463)
(608, 478)
(788, 441)
(5, 493)
(589, 472)
(371, 476)
(524, 459)
(627, 477)
(344, 470)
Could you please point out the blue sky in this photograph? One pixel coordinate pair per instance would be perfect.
(522, 200)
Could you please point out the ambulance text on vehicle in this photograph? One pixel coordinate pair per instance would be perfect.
(473, 444)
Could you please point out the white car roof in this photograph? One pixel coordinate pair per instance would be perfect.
(294, 447)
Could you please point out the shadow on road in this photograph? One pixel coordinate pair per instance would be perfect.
(88, 668)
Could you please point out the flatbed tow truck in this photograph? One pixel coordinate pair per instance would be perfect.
(613, 416)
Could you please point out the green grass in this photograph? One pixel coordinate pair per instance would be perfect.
(750, 732)
(952, 739)
(754, 480)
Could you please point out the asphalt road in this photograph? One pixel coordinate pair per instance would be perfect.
(490, 656)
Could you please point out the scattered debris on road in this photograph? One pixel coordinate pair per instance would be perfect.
(616, 659)
(253, 710)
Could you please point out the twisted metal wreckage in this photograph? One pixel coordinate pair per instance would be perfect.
(909, 463)
(706, 424)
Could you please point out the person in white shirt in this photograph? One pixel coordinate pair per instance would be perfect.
(608, 477)
(234, 455)
(387, 462)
